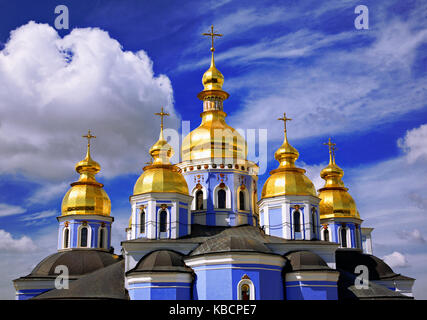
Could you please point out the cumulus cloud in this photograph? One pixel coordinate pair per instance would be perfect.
(8, 244)
(396, 259)
(53, 89)
(8, 210)
(414, 143)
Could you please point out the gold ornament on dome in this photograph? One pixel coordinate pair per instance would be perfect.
(287, 179)
(335, 202)
(87, 196)
(161, 176)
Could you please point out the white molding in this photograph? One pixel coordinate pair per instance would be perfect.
(312, 276)
(147, 277)
(251, 289)
(227, 197)
(89, 236)
(105, 240)
(235, 258)
(63, 238)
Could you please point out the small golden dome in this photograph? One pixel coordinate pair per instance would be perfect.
(161, 175)
(287, 179)
(86, 196)
(212, 78)
(335, 200)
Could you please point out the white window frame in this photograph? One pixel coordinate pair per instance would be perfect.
(348, 236)
(227, 197)
(105, 237)
(89, 236)
(251, 289)
(205, 199)
(63, 238)
(247, 202)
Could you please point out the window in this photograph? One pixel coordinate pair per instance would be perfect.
(357, 236)
(199, 200)
(142, 222)
(245, 292)
(314, 221)
(242, 200)
(297, 222)
(221, 199)
(66, 236)
(83, 237)
(326, 234)
(245, 289)
(101, 238)
(163, 221)
(343, 237)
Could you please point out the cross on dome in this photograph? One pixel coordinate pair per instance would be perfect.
(212, 35)
(88, 136)
(162, 114)
(284, 119)
(332, 149)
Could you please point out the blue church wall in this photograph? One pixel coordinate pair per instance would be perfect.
(160, 291)
(74, 224)
(334, 228)
(209, 181)
(183, 221)
(311, 290)
(275, 221)
(268, 284)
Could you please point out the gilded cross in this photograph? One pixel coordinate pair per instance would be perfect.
(88, 137)
(284, 119)
(161, 114)
(331, 147)
(212, 35)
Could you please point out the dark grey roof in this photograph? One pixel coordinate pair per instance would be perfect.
(161, 260)
(225, 243)
(348, 291)
(304, 260)
(348, 260)
(106, 283)
(78, 261)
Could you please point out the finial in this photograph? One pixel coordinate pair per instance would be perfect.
(162, 114)
(212, 35)
(332, 149)
(285, 119)
(88, 136)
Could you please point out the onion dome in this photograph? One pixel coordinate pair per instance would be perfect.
(161, 175)
(335, 200)
(214, 138)
(287, 179)
(87, 196)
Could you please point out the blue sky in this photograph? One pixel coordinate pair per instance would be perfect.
(365, 88)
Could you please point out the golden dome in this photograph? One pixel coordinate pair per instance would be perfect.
(335, 200)
(214, 138)
(212, 78)
(87, 196)
(161, 175)
(287, 179)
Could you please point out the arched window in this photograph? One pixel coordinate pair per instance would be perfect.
(343, 237)
(66, 237)
(221, 199)
(314, 221)
(245, 289)
(245, 292)
(242, 200)
(163, 221)
(101, 238)
(326, 234)
(83, 236)
(297, 222)
(142, 222)
(199, 200)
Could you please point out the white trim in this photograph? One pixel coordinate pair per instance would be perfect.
(159, 277)
(348, 237)
(247, 198)
(168, 222)
(236, 258)
(63, 238)
(105, 240)
(89, 236)
(227, 197)
(251, 289)
(323, 234)
(312, 276)
(205, 198)
(301, 225)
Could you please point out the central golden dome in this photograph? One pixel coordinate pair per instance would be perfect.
(287, 179)
(161, 175)
(335, 199)
(86, 196)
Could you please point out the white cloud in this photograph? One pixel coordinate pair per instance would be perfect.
(414, 235)
(396, 259)
(415, 143)
(8, 244)
(35, 217)
(48, 192)
(53, 89)
(8, 210)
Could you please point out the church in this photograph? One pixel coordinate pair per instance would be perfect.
(198, 229)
